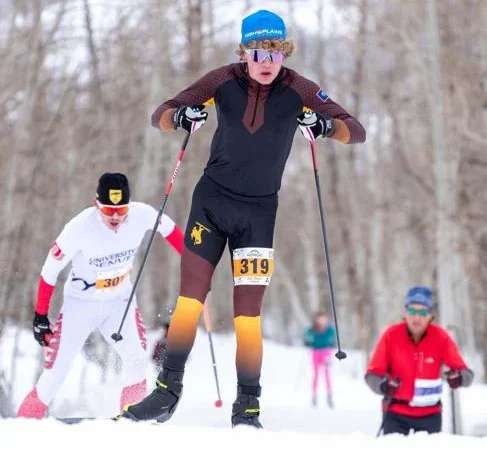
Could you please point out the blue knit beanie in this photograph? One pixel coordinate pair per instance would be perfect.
(419, 295)
(262, 24)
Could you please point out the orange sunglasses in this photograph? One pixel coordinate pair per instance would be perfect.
(112, 210)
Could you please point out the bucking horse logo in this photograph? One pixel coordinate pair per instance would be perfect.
(197, 232)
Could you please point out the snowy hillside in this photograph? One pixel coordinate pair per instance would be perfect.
(295, 435)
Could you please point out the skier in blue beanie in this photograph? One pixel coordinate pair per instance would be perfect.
(260, 103)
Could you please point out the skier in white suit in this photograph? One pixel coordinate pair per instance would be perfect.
(101, 242)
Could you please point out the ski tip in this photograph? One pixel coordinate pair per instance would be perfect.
(75, 420)
(80, 419)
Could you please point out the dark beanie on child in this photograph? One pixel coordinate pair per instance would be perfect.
(113, 189)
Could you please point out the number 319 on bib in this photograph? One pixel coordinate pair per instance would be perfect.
(253, 266)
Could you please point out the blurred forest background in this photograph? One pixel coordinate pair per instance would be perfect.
(80, 79)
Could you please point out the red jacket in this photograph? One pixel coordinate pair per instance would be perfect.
(416, 365)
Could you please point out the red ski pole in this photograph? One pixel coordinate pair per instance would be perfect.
(117, 336)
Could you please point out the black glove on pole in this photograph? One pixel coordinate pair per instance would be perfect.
(190, 118)
(313, 125)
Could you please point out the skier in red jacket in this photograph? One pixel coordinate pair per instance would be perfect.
(406, 368)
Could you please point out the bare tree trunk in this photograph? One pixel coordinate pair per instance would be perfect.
(483, 58)
(353, 238)
(152, 163)
(310, 252)
(444, 188)
(97, 94)
(20, 136)
(377, 187)
(292, 291)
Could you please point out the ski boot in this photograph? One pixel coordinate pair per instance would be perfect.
(246, 408)
(162, 402)
(314, 401)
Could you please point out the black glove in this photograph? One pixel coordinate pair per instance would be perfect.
(313, 125)
(190, 118)
(42, 329)
(389, 387)
(454, 378)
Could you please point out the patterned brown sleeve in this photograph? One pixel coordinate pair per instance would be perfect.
(348, 128)
(200, 92)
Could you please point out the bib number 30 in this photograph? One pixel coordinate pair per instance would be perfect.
(108, 280)
(253, 266)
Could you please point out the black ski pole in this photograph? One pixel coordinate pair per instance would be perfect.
(206, 316)
(453, 412)
(340, 354)
(453, 398)
(117, 336)
(387, 404)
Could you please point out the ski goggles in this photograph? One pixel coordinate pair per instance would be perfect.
(260, 55)
(422, 312)
(112, 210)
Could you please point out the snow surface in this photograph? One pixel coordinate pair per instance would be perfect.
(199, 435)
(296, 436)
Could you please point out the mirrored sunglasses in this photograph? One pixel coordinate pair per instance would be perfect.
(422, 312)
(260, 55)
(112, 210)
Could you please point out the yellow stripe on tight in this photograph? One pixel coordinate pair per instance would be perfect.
(184, 323)
(249, 347)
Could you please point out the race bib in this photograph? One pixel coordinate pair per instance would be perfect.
(427, 392)
(107, 281)
(253, 266)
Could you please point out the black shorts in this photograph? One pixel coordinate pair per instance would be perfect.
(217, 215)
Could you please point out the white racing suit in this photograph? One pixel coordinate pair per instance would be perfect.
(95, 297)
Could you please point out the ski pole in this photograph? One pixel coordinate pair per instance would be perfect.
(340, 354)
(453, 412)
(455, 425)
(387, 404)
(117, 336)
(206, 316)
